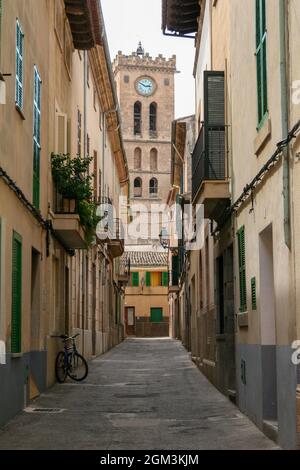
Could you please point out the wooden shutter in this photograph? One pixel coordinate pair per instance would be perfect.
(165, 279)
(16, 321)
(135, 279)
(261, 60)
(214, 125)
(19, 65)
(148, 279)
(36, 138)
(242, 269)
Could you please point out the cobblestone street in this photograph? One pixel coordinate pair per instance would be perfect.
(143, 394)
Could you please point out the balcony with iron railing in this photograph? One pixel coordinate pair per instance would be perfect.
(116, 237)
(210, 184)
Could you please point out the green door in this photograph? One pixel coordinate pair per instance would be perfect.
(16, 322)
(156, 315)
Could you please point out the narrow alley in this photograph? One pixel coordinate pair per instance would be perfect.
(145, 393)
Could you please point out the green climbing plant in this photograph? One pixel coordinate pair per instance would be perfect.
(73, 181)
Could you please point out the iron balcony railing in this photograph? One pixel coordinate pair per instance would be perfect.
(209, 157)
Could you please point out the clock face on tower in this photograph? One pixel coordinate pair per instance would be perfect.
(145, 86)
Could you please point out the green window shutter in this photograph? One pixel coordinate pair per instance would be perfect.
(19, 65)
(261, 60)
(148, 279)
(36, 138)
(253, 293)
(165, 279)
(156, 315)
(135, 279)
(242, 269)
(16, 320)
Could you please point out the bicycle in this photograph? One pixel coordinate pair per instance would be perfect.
(69, 362)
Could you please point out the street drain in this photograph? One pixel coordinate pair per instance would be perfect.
(44, 410)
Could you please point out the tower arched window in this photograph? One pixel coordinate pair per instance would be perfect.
(153, 159)
(137, 187)
(153, 117)
(153, 187)
(137, 117)
(137, 158)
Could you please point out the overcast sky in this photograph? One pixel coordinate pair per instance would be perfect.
(130, 21)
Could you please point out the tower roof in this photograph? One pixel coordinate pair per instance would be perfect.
(140, 50)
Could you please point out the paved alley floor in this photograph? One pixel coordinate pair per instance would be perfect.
(144, 394)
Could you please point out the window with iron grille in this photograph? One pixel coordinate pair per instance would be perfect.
(261, 60)
(36, 138)
(19, 65)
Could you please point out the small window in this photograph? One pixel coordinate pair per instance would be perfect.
(137, 159)
(153, 187)
(137, 118)
(138, 187)
(167, 82)
(126, 78)
(153, 159)
(153, 117)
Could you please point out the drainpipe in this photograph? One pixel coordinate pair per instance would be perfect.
(284, 119)
(84, 258)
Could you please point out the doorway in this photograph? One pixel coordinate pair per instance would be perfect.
(268, 325)
(130, 321)
(35, 301)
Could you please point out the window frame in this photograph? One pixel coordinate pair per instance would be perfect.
(19, 76)
(36, 137)
(261, 62)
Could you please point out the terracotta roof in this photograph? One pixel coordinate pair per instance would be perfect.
(145, 258)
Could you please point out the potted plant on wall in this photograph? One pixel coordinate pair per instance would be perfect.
(75, 191)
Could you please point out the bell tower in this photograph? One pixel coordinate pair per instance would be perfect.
(145, 87)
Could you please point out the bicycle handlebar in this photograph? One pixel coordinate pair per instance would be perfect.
(65, 337)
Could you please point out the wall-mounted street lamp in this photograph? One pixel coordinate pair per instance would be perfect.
(164, 238)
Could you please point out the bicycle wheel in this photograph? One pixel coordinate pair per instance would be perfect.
(60, 368)
(78, 368)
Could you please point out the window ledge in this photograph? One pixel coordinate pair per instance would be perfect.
(242, 319)
(264, 133)
(20, 112)
(16, 355)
